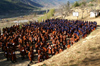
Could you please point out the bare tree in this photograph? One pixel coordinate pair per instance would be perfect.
(65, 9)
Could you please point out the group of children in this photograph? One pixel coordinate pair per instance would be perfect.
(47, 38)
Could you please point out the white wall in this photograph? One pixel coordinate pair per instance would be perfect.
(92, 14)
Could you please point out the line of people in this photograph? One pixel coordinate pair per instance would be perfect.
(47, 38)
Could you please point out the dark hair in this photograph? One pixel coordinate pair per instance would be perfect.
(28, 65)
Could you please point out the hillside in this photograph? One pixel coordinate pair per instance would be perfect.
(7, 6)
(29, 2)
(49, 3)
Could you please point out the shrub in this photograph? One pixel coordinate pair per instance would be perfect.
(92, 0)
(47, 16)
(90, 5)
(83, 3)
(20, 26)
(44, 65)
(76, 4)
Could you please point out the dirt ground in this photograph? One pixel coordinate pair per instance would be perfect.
(20, 62)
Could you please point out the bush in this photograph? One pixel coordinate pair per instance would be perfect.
(76, 4)
(83, 3)
(47, 16)
(44, 65)
(92, 0)
(90, 5)
(20, 26)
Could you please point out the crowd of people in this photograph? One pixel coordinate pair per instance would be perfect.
(47, 38)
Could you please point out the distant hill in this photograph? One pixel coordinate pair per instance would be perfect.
(29, 2)
(13, 5)
(7, 6)
(48, 3)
